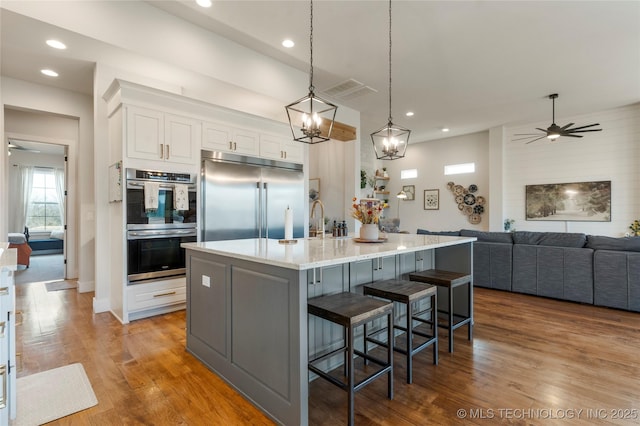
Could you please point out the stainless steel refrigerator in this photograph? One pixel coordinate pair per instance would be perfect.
(246, 197)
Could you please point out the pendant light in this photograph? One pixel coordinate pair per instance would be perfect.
(311, 114)
(390, 142)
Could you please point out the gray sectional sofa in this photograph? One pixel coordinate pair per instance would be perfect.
(591, 269)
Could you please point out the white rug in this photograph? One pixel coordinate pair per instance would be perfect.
(52, 394)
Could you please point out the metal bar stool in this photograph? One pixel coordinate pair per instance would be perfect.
(450, 280)
(351, 310)
(410, 294)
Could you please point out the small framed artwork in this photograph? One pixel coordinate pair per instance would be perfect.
(431, 199)
(314, 189)
(410, 190)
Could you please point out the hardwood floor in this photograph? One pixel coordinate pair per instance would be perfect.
(532, 361)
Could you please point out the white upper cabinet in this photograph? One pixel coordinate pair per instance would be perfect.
(281, 148)
(220, 137)
(155, 135)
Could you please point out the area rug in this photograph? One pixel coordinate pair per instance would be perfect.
(52, 394)
(60, 285)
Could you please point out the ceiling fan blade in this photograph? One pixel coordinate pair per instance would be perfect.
(528, 134)
(527, 137)
(581, 131)
(584, 127)
(572, 136)
(541, 137)
(542, 130)
(567, 126)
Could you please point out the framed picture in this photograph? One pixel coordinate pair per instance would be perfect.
(578, 201)
(314, 189)
(410, 190)
(431, 199)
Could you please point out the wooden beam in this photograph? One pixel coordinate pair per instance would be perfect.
(341, 132)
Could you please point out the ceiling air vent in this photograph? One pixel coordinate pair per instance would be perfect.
(348, 89)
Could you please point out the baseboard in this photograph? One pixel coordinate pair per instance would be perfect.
(101, 305)
(86, 286)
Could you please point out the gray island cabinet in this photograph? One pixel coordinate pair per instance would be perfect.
(247, 305)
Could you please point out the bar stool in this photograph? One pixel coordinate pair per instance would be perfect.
(351, 310)
(410, 294)
(450, 280)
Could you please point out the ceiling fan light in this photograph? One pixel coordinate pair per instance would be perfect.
(553, 136)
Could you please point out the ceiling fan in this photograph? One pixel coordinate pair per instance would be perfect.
(14, 145)
(554, 131)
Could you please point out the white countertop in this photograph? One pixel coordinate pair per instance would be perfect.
(314, 253)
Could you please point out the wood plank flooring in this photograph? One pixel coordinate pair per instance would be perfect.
(532, 361)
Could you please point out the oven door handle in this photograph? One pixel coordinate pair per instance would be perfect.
(139, 235)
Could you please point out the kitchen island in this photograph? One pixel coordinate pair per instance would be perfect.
(247, 304)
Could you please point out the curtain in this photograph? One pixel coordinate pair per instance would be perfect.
(25, 183)
(59, 175)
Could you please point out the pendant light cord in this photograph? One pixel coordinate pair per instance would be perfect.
(311, 88)
(390, 118)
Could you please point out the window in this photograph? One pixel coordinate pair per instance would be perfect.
(44, 205)
(457, 169)
(408, 174)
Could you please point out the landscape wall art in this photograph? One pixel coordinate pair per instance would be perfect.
(578, 201)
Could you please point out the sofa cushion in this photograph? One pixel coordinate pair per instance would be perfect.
(611, 243)
(445, 233)
(488, 237)
(555, 239)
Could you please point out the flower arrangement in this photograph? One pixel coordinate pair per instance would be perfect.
(367, 210)
(508, 223)
(635, 228)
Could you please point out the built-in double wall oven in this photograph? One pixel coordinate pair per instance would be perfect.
(161, 215)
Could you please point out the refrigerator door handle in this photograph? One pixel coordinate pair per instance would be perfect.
(266, 209)
(259, 212)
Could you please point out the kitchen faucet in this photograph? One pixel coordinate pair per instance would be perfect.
(313, 206)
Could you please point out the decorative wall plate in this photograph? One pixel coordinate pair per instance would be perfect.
(458, 190)
(461, 207)
(478, 209)
(469, 199)
(480, 200)
(459, 199)
(467, 210)
(450, 185)
(475, 218)
(473, 188)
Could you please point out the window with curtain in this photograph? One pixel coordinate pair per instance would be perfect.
(44, 212)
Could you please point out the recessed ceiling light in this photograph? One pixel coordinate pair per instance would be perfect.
(56, 44)
(445, 129)
(288, 43)
(50, 73)
(409, 114)
(204, 3)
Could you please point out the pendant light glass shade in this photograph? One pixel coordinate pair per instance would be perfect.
(390, 142)
(311, 118)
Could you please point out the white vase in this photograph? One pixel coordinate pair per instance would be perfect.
(369, 231)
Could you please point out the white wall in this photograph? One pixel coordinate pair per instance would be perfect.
(429, 158)
(612, 155)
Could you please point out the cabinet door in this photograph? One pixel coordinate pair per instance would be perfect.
(293, 151)
(217, 137)
(384, 268)
(270, 147)
(182, 136)
(145, 133)
(246, 142)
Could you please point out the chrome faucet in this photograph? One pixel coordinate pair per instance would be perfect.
(321, 227)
